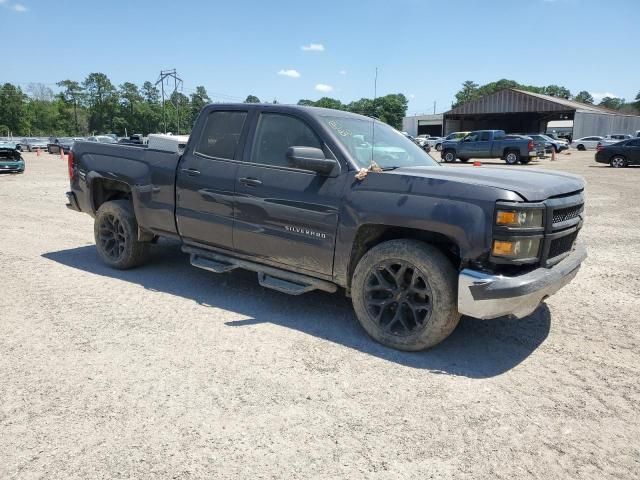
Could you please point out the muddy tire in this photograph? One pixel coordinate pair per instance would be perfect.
(116, 233)
(404, 293)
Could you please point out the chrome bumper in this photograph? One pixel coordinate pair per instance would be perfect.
(482, 295)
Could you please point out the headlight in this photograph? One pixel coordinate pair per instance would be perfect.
(528, 218)
(516, 249)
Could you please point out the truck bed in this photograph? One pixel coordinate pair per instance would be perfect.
(150, 173)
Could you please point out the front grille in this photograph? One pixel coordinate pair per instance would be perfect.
(561, 245)
(563, 214)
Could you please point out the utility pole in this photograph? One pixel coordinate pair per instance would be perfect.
(165, 74)
(434, 107)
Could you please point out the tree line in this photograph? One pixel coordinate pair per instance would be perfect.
(471, 91)
(96, 106)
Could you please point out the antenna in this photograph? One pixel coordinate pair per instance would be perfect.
(373, 120)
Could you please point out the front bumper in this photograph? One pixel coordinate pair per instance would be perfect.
(482, 295)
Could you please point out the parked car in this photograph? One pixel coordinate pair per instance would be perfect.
(586, 143)
(551, 144)
(11, 160)
(435, 142)
(421, 140)
(539, 145)
(63, 143)
(615, 138)
(291, 193)
(489, 144)
(135, 139)
(32, 144)
(621, 154)
(102, 139)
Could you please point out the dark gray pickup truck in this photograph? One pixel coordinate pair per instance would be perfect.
(489, 144)
(320, 199)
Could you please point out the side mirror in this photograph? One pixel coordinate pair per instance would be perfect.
(310, 158)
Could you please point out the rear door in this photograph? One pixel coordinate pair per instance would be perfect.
(286, 215)
(206, 179)
(633, 147)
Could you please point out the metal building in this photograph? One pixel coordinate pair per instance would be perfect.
(423, 125)
(518, 111)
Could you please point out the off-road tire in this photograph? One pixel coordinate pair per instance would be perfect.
(512, 157)
(439, 279)
(449, 156)
(116, 233)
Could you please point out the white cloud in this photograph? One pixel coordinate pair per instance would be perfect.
(19, 8)
(412, 96)
(313, 47)
(289, 73)
(321, 87)
(342, 72)
(598, 96)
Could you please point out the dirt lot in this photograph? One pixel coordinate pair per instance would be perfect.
(171, 372)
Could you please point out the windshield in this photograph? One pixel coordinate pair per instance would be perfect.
(365, 139)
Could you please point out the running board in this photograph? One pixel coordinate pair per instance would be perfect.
(269, 277)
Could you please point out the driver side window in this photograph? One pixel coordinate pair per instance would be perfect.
(275, 134)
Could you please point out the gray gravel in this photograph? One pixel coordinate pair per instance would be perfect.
(171, 372)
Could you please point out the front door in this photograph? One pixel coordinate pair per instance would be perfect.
(206, 179)
(285, 215)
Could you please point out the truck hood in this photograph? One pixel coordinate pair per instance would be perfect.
(531, 184)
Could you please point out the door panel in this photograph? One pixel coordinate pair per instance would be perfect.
(206, 179)
(283, 214)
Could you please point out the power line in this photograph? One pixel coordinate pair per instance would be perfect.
(165, 75)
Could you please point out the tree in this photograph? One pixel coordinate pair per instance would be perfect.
(327, 102)
(391, 109)
(557, 91)
(612, 103)
(306, 103)
(468, 92)
(198, 100)
(584, 97)
(72, 94)
(12, 109)
(39, 91)
(130, 99)
(251, 99)
(102, 101)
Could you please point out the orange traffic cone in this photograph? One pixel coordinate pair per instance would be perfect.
(477, 163)
(38, 152)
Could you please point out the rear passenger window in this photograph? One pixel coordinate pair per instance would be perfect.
(275, 134)
(634, 143)
(221, 134)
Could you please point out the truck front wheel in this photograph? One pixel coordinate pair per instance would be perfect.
(116, 233)
(404, 295)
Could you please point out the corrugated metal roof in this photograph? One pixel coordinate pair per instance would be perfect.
(512, 100)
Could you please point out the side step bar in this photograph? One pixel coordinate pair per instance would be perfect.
(269, 277)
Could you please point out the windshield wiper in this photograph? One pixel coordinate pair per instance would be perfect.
(386, 169)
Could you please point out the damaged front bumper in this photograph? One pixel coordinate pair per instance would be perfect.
(482, 295)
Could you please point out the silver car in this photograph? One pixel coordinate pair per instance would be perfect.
(586, 143)
(32, 144)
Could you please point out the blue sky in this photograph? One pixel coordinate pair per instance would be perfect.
(288, 49)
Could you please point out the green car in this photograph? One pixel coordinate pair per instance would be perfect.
(10, 158)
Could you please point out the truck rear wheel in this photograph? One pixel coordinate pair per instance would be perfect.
(404, 295)
(449, 156)
(116, 233)
(512, 157)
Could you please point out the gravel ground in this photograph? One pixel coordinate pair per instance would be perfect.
(168, 371)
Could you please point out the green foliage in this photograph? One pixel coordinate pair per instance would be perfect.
(584, 97)
(251, 99)
(389, 109)
(612, 103)
(471, 90)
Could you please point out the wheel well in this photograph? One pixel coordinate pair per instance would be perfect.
(368, 236)
(617, 155)
(105, 190)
